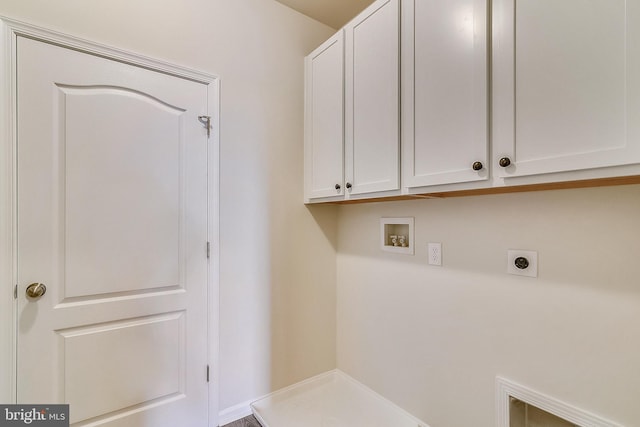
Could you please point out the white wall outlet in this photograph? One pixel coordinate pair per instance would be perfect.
(522, 263)
(435, 253)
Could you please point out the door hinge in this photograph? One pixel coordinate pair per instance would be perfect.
(207, 373)
(15, 292)
(208, 250)
(206, 121)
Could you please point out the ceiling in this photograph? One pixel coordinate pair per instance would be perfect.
(334, 13)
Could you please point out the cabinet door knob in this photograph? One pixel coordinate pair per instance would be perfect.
(477, 166)
(349, 185)
(338, 186)
(504, 162)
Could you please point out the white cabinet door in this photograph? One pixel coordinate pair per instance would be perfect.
(112, 218)
(444, 91)
(372, 104)
(566, 85)
(324, 120)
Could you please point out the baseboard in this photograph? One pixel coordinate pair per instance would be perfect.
(235, 413)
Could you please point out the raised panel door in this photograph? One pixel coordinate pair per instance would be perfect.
(112, 218)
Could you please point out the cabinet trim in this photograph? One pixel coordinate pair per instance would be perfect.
(566, 185)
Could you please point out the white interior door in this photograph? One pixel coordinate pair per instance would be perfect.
(112, 218)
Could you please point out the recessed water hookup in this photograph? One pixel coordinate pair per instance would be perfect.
(396, 235)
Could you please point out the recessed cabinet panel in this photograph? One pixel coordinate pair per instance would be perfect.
(444, 59)
(324, 130)
(372, 99)
(567, 91)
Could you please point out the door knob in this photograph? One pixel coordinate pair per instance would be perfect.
(36, 290)
(477, 166)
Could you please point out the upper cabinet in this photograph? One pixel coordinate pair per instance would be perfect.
(372, 103)
(566, 82)
(493, 95)
(445, 132)
(324, 120)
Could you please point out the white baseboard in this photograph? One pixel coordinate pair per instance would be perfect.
(235, 413)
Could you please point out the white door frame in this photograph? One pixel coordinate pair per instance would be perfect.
(9, 31)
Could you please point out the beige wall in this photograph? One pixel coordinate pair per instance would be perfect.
(433, 339)
(277, 308)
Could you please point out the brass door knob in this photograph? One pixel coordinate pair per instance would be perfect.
(36, 290)
(504, 162)
(477, 166)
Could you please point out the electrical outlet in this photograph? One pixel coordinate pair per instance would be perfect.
(522, 263)
(435, 253)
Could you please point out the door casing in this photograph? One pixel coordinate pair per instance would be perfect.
(9, 31)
